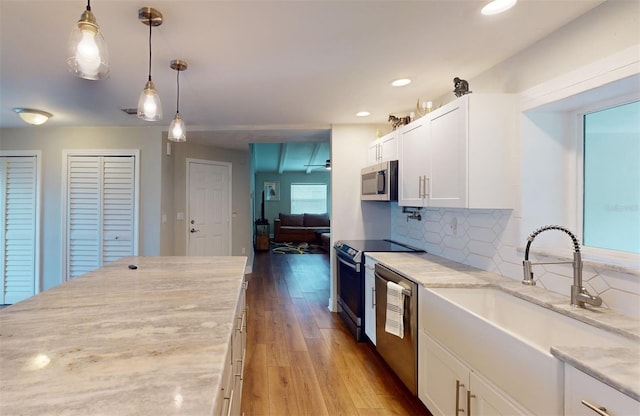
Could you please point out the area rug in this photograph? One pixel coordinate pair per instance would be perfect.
(296, 248)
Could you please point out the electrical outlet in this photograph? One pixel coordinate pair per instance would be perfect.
(243, 251)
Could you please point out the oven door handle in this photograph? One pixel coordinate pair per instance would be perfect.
(353, 267)
(406, 292)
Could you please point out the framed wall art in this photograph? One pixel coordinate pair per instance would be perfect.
(272, 191)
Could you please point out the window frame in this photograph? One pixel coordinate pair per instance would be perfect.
(600, 255)
(326, 196)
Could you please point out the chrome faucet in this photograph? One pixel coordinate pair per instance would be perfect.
(579, 295)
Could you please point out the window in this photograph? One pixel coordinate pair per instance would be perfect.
(309, 198)
(611, 181)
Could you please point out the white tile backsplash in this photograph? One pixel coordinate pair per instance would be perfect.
(489, 240)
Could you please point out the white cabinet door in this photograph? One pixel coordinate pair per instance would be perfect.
(414, 166)
(389, 146)
(472, 152)
(485, 399)
(448, 387)
(448, 148)
(370, 299)
(383, 149)
(582, 391)
(442, 379)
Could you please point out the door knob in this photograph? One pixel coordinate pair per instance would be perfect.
(193, 230)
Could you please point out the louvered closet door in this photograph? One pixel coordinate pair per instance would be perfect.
(100, 211)
(18, 175)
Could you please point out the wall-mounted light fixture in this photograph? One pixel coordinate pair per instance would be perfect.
(177, 129)
(32, 116)
(88, 56)
(149, 106)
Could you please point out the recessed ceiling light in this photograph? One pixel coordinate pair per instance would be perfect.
(363, 113)
(401, 82)
(497, 6)
(33, 116)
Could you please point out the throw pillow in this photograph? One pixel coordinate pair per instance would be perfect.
(291, 220)
(316, 220)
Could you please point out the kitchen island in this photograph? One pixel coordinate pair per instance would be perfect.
(151, 340)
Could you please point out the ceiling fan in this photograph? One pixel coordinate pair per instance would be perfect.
(327, 165)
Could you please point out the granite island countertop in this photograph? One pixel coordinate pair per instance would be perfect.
(116, 341)
(617, 367)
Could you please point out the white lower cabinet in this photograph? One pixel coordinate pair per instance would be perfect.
(370, 299)
(449, 387)
(232, 376)
(586, 396)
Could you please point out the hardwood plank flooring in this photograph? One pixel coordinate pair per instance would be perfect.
(301, 359)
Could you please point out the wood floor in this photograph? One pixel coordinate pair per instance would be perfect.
(300, 358)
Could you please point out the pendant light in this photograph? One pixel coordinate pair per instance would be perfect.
(177, 129)
(88, 57)
(149, 106)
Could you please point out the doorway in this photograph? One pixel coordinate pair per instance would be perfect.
(208, 208)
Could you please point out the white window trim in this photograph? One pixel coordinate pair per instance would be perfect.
(38, 156)
(98, 152)
(326, 196)
(595, 254)
(616, 67)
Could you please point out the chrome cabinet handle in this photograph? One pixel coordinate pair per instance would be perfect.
(427, 192)
(373, 298)
(458, 385)
(602, 411)
(469, 397)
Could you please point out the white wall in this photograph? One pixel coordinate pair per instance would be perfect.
(493, 239)
(351, 219)
(51, 141)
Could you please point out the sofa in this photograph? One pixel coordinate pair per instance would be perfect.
(300, 227)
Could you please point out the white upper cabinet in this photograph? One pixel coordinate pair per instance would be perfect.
(468, 160)
(414, 164)
(383, 149)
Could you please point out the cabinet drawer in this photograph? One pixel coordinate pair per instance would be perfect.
(581, 387)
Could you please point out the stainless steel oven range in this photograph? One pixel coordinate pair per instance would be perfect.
(350, 273)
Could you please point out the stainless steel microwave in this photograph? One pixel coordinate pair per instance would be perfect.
(379, 182)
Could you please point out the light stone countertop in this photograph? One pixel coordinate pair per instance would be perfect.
(617, 367)
(115, 341)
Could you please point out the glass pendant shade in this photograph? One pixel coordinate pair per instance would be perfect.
(177, 130)
(88, 56)
(149, 106)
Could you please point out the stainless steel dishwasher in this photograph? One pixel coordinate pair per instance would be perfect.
(401, 354)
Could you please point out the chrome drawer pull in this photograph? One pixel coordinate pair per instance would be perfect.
(458, 385)
(602, 411)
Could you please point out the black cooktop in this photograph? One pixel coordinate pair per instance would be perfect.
(376, 245)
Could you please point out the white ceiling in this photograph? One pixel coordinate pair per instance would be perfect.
(261, 71)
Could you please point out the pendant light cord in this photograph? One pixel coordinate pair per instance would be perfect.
(150, 47)
(89, 5)
(178, 94)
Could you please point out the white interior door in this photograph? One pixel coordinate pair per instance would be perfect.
(208, 208)
(100, 221)
(19, 235)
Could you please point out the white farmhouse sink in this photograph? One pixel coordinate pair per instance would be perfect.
(507, 339)
(532, 323)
